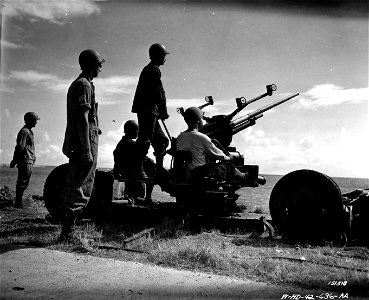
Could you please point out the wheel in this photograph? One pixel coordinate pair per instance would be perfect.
(54, 190)
(307, 205)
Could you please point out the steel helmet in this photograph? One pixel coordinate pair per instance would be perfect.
(30, 117)
(157, 50)
(130, 126)
(89, 58)
(192, 115)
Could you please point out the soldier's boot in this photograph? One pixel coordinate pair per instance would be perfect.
(141, 171)
(19, 198)
(148, 199)
(142, 150)
(161, 174)
(68, 229)
(159, 162)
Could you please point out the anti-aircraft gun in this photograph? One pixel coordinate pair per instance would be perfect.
(304, 204)
(221, 128)
(209, 193)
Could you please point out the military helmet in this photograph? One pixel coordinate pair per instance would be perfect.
(89, 58)
(192, 115)
(130, 126)
(30, 117)
(157, 50)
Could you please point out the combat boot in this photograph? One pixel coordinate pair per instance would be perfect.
(68, 229)
(18, 199)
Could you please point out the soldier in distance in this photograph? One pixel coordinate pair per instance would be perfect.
(24, 156)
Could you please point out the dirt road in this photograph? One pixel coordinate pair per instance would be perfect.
(37, 273)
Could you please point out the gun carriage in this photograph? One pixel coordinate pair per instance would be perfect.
(304, 204)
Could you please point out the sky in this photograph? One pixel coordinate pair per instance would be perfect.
(226, 49)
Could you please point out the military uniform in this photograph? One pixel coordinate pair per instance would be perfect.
(126, 164)
(150, 105)
(80, 179)
(24, 157)
(201, 147)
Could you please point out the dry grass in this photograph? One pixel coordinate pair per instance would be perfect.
(267, 260)
(236, 255)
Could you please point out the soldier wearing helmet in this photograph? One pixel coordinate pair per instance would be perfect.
(149, 104)
(127, 164)
(81, 139)
(202, 148)
(24, 156)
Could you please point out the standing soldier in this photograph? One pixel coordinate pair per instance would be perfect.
(81, 140)
(150, 105)
(24, 156)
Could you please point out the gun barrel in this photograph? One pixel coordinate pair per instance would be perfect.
(245, 124)
(259, 111)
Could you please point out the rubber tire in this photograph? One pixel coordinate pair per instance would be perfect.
(54, 190)
(307, 205)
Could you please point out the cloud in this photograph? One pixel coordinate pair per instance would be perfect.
(51, 155)
(47, 136)
(326, 95)
(7, 113)
(37, 79)
(109, 89)
(105, 157)
(54, 11)
(116, 135)
(10, 45)
(348, 155)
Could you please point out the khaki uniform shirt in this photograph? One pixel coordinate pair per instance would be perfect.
(24, 151)
(80, 97)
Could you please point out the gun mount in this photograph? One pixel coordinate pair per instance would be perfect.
(303, 203)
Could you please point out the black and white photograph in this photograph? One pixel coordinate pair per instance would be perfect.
(183, 149)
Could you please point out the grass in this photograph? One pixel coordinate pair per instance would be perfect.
(242, 255)
(266, 260)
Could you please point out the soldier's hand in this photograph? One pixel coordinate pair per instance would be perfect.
(164, 117)
(13, 164)
(227, 158)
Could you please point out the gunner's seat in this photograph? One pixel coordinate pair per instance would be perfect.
(181, 159)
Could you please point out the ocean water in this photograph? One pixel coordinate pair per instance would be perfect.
(260, 196)
(250, 197)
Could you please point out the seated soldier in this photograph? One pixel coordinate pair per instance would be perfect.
(201, 147)
(127, 165)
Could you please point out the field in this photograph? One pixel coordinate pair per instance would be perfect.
(252, 198)
(240, 254)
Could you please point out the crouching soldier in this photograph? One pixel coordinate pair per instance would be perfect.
(24, 156)
(81, 140)
(127, 164)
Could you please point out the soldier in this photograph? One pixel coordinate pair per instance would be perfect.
(126, 163)
(81, 140)
(201, 147)
(150, 105)
(24, 156)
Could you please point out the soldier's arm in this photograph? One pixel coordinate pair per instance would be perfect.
(84, 136)
(19, 148)
(213, 151)
(159, 95)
